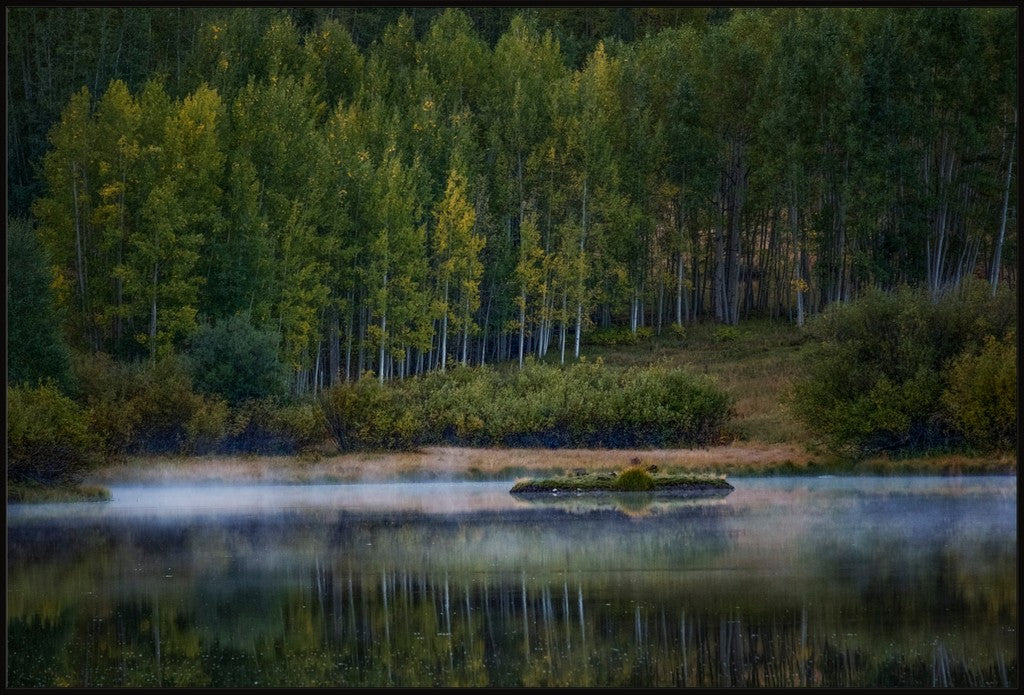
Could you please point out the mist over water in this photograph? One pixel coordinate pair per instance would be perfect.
(784, 582)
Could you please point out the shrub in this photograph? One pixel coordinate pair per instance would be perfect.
(367, 415)
(302, 425)
(634, 479)
(236, 361)
(876, 377)
(106, 387)
(206, 426)
(164, 403)
(48, 437)
(726, 334)
(147, 407)
(610, 337)
(539, 405)
(982, 395)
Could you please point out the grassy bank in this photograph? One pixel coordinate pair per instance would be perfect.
(38, 494)
(476, 464)
(755, 365)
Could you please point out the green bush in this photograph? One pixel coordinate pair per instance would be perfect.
(106, 387)
(146, 407)
(982, 394)
(634, 479)
(539, 405)
(875, 379)
(302, 425)
(236, 361)
(726, 334)
(165, 404)
(367, 415)
(48, 436)
(611, 337)
(206, 426)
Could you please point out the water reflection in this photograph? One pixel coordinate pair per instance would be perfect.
(784, 583)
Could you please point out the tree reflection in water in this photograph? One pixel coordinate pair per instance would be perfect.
(692, 595)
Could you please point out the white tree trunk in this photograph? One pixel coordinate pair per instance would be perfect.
(996, 257)
(444, 329)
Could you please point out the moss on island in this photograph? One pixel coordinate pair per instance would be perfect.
(634, 479)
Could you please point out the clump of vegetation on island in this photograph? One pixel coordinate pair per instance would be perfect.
(632, 479)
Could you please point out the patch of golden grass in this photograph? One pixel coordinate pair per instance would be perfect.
(442, 462)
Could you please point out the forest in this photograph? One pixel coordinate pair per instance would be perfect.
(400, 190)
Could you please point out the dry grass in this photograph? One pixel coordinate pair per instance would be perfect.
(442, 462)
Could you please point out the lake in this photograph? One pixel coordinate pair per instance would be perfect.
(845, 581)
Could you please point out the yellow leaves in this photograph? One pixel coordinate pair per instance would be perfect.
(110, 191)
(104, 168)
(363, 155)
(428, 105)
(60, 284)
(222, 64)
(799, 285)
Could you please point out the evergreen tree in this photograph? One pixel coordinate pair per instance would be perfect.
(36, 350)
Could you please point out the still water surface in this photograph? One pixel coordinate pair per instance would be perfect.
(898, 581)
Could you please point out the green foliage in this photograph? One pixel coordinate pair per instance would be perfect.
(237, 361)
(302, 424)
(350, 178)
(539, 405)
(367, 415)
(610, 337)
(151, 407)
(35, 347)
(634, 479)
(982, 393)
(266, 426)
(147, 407)
(876, 379)
(206, 426)
(49, 440)
(726, 334)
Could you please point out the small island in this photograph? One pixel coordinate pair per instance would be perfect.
(633, 479)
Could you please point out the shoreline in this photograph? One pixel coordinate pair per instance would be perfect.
(464, 463)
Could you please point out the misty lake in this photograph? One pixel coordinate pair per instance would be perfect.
(895, 581)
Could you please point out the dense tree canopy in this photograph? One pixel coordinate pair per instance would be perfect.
(394, 190)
